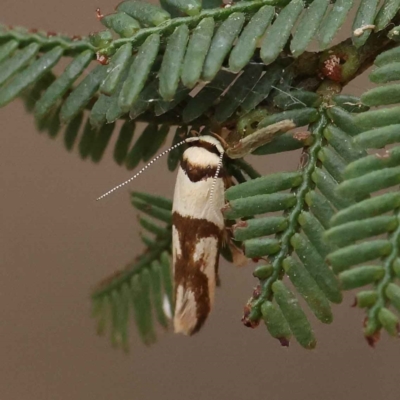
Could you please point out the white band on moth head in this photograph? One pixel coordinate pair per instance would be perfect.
(208, 139)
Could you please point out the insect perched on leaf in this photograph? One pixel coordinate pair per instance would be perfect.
(197, 222)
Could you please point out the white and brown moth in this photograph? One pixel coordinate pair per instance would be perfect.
(197, 231)
(198, 223)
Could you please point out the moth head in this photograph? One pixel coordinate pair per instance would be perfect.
(210, 140)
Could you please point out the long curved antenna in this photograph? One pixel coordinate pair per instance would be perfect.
(215, 178)
(142, 170)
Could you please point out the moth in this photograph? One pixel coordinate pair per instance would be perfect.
(197, 231)
(197, 220)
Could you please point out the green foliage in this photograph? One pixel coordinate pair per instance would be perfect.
(145, 285)
(151, 41)
(243, 69)
(307, 200)
(376, 218)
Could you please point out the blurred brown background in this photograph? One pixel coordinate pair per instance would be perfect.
(57, 242)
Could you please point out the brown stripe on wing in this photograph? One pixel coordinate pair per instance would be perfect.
(188, 273)
(197, 173)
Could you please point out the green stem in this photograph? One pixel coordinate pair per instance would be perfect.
(46, 40)
(266, 285)
(168, 26)
(133, 268)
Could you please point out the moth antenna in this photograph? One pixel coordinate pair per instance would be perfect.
(215, 178)
(143, 169)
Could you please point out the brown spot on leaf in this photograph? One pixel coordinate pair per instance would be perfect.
(102, 59)
(301, 136)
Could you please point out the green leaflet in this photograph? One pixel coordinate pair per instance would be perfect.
(30, 75)
(276, 323)
(278, 34)
(393, 293)
(333, 163)
(358, 230)
(248, 40)
(314, 231)
(258, 204)
(238, 92)
(333, 21)
(382, 96)
(7, 49)
(342, 143)
(262, 89)
(300, 117)
(344, 121)
(260, 247)
(386, 73)
(198, 105)
(138, 72)
(308, 26)
(387, 11)
(99, 111)
(114, 110)
(349, 103)
(119, 61)
(82, 94)
(379, 138)
(306, 286)
(389, 321)
(59, 87)
(389, 56)
(264, 185)
(317, 268)
(367, 208)
(172, 62)
(196, 52)
(371, 182)
(365, 17)
(295, 316)
(344, 258)
(361, 276)
(101, 39)
(145, 13)
(11, 66)
(221, 45)
(121, 23)
(254, 228)
(189, 7)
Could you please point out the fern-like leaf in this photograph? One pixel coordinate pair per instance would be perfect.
(184, 51)
(297, 250)
(145, 285)
(373, 262)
